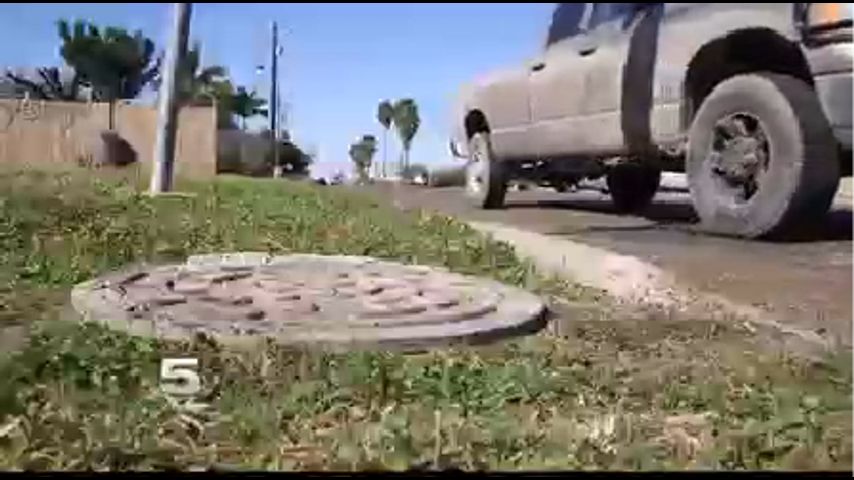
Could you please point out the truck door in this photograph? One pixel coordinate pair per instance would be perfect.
(618, 84)
(556, 80)
(505, 100)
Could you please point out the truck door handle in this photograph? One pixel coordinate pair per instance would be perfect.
(586, 50)
(538, 66)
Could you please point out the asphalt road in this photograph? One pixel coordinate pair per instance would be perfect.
(806, 283)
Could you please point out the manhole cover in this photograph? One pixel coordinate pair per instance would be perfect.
(333, 302)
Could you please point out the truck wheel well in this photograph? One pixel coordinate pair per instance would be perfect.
(742, 51)
(475, 122)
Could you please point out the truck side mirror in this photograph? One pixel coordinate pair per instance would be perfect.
(455, 151)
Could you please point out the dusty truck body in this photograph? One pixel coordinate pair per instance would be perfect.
(752, 101)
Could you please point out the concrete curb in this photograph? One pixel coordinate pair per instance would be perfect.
(632, 281)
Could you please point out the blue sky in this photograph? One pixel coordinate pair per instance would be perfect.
(339, 59)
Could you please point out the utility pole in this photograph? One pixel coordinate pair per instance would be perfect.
(167, 111)
(274, 103)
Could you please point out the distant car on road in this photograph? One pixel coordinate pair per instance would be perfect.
(751, 100)
(416, 174)
(338, 179)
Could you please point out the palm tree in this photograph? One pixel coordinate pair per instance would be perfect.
(203, 85)
(406, 121)
(113, 62)
(223, 92)
(369, 144)
(362, 154)
(196, 85)
(246, 105)
(355, 153)
(385, 115)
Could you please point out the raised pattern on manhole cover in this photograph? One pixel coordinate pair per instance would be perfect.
(328, 301)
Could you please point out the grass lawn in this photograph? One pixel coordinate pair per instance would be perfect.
(617, 394)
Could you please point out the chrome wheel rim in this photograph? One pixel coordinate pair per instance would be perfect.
(476, 170)
(739, 157)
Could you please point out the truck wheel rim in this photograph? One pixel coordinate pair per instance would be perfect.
(476, 170)
(738, 157)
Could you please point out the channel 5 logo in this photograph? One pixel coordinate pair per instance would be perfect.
(180, 381)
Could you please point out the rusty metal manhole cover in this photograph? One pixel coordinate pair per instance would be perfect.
(334, 302)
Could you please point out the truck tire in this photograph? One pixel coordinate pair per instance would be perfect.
(762, 159)
(486, 182)
(632, 186)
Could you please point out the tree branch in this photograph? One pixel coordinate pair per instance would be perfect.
(33, 87)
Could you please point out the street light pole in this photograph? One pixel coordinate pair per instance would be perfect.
(167, 112)
(274, 103)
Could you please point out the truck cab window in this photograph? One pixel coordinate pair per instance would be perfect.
(566, 22)
(608, 12)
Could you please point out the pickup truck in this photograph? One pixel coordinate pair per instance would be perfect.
(752, 101)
